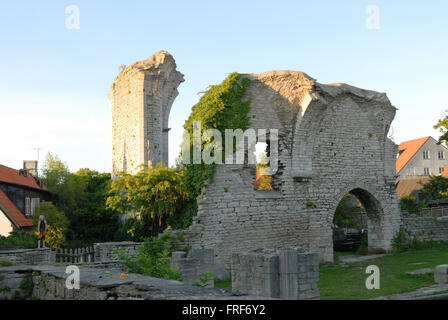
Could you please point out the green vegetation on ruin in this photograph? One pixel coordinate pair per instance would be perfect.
(221, 107)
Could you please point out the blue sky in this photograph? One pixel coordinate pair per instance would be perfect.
(54, 81)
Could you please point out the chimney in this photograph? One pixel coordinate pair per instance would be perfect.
(30, 166)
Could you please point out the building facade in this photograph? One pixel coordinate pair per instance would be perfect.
(421, 158)
(20, 195)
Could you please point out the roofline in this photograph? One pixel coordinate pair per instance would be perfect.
(24, 186)
(6, 213)
(18, 184)
(404, 165)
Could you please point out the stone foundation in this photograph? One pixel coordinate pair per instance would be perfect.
(195, 265)
(425, 228)
(285, 274)
(29, 256)
(48, 283)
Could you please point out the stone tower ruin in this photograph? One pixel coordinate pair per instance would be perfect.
(142, 96)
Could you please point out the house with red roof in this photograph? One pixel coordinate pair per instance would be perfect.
(421, 158)
(21, 192)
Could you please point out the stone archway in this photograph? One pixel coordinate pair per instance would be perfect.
(374, 213)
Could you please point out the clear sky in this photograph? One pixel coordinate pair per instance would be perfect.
(54, 81)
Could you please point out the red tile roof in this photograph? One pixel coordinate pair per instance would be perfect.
(445, 172)
(14, 176)
(12, 212)
(407, 150)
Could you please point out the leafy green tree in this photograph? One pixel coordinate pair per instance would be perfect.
(82, 197)
(63, 185)
(53, 216)
(156, 196)
(442, 125)
(436, 188)
(90, 220)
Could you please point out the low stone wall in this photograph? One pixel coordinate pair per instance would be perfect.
(29, 256)
(428, 227)
(104, 251)
(286, 274)
(195, 265)
(49, 283)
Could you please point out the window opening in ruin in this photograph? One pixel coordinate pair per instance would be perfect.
(263, 179)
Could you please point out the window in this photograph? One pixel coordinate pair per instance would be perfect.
(426, 171)
(27, 206)
(425, 154)
(441, 170)
(441, 155)
(34, 205)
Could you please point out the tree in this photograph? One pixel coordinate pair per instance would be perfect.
(90, 220)
(436, 188)
(82, 198)
(442, 125)
(64, 187)
(57, 223)
(156, 196)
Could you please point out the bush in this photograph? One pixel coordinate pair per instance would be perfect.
(153, 258)
(57, 224)
(19, 239)
(401, 241)
(131, 229)
(410, 205)
(54, 217)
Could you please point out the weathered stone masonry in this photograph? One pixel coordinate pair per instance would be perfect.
(332, 141)
(141, 97)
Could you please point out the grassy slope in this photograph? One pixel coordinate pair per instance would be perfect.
(348, 282)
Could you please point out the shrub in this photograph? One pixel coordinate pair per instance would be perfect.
(19, 239)
(410, 205)
(57, 224)
(5, 263)
(153, 258)
(401, 241)
(54, 217)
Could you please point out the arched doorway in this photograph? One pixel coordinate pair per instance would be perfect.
(357, 223)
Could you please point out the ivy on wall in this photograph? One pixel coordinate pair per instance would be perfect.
(221, 107)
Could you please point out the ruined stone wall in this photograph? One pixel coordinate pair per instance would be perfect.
(141, 98)
(29, 256)
(286, 274)
(332, 141)
(105, 251)
(425, 228)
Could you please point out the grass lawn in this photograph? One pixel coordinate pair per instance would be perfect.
(338, 282)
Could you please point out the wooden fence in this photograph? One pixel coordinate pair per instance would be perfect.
(80, 255)
(434, 212)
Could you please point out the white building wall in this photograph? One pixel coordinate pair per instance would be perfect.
(415, 166)
(5, 225)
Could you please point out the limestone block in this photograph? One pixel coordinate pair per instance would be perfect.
(441, 274)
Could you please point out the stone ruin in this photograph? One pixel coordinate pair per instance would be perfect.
(332, 140)
(141, 97)
(289, 274)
